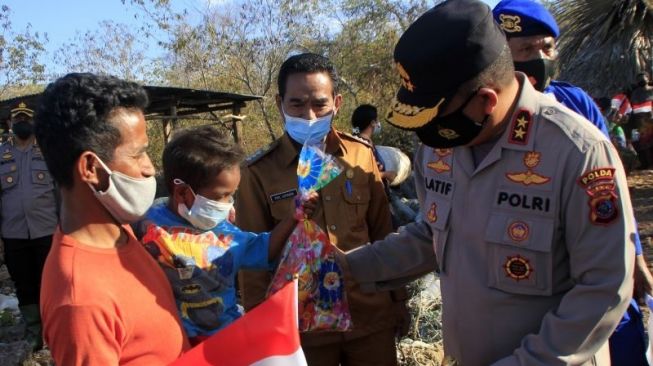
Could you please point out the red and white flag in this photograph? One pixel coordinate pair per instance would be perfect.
(266, 336)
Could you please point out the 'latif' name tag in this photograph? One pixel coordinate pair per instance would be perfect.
(283, 195)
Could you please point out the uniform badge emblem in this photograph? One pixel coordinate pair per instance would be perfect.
(600, 186)
(432, 215)
(531, 160)
(350, 173)
(448, 133)
(440, 166)
(520, 128)
(9, 179)
(40, 176)
(7, 156)
(510, 23)
(518, 231)
(518, 268)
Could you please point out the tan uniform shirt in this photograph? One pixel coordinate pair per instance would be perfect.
(351, 213)
(534, 245)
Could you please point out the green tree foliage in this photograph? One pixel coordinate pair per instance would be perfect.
(20, 55)
(111, 49)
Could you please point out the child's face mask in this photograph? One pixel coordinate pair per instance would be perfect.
(204, 214)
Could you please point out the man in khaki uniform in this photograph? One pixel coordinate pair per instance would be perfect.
(525, 207)
(353, 209)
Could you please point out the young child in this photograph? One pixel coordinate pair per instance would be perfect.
(199, 249)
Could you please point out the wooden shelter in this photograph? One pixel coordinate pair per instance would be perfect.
(168, 105)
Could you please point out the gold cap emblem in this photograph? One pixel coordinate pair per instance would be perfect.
(510, 23)
(22, 109)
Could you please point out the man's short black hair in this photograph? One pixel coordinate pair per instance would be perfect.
(306, 63)
(363, 116)
(197, 156)
(74, 116)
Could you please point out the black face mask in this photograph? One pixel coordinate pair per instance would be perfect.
(454, 129)
(541, 69)
(23, 129)
(642, 83)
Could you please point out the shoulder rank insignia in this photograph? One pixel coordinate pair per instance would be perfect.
(520, 128)
(258, 154)
(440, 166)
(531, 160)
(510, 23)
(518, 268)
(599, 184)
(355, 138)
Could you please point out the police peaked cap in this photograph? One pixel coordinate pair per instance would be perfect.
(445, 47)
(522, 18)
(21, 108)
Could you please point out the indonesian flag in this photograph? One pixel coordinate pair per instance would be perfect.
(643, 107)
(266, 336)
(621, 104)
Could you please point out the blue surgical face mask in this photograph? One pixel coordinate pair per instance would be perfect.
(204, 214)
(308, 131)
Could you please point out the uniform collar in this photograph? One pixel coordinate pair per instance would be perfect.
(289, 149)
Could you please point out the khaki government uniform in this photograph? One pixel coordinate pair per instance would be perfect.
(534, 245)
(353, 209)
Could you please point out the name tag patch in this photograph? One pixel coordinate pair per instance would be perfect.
(441, 187)
(283, 195)
(523, 201)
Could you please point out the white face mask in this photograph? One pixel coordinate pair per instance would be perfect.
(377, 128)
(204, 214)
(127, 199)
(308, 131)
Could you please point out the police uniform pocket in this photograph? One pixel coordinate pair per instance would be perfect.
(357, 198)
(519, 254)
(9, 179)
(40, 174)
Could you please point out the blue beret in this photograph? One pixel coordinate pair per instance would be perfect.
(522, 18)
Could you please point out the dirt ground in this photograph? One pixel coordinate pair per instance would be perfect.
(641, 191)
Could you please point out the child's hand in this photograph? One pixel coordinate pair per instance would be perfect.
(310, 205)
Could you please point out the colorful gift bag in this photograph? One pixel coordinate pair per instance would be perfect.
(309, 256)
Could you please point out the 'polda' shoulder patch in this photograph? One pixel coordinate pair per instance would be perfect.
(600, 186)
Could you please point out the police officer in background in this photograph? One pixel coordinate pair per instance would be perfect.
(532, 31)
(525, 205)
(353, 210)
(29, 215)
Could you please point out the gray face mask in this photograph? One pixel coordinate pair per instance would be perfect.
(127, 199)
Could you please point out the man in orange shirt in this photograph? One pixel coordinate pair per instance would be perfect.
(104, 300)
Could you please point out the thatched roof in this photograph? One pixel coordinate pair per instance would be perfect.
(604, 43)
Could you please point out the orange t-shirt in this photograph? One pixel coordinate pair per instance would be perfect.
(108, 306)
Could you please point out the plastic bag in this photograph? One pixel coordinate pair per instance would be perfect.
(309, 256)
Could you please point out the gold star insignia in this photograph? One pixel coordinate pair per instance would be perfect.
(519, 134)
(522, 122)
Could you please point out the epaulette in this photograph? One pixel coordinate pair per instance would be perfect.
(260, 153)
(354, 138)
(577, 129)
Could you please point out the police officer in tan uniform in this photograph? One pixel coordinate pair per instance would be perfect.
(525, 207)
(28, 216)
(353, 209)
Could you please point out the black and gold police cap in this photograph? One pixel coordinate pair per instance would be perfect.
(445, 47)
(21, 108)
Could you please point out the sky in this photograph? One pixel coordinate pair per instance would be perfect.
(62, 19)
